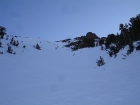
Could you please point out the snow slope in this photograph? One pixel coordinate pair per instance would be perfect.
(61, 77)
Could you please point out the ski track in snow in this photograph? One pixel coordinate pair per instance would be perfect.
(59, 76)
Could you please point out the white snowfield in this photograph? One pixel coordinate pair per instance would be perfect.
(59, 76)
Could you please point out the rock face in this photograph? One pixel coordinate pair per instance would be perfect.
(89, 40)
(91, 35)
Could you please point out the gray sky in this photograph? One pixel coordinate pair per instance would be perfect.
(59, 19)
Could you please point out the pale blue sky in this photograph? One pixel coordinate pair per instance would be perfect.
(59, 19)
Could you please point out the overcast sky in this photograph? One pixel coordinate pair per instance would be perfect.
(59, 19)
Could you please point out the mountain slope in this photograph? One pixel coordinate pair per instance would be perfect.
(59, 76)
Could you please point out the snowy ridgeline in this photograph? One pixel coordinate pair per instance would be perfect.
(55, 75)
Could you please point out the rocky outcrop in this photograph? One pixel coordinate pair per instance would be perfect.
(91, 35)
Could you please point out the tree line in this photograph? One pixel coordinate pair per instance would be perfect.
(128, 34)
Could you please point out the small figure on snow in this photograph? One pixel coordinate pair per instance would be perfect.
(10, 50)
(37, 46)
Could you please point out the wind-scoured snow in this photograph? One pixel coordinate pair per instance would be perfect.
(55, 75)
